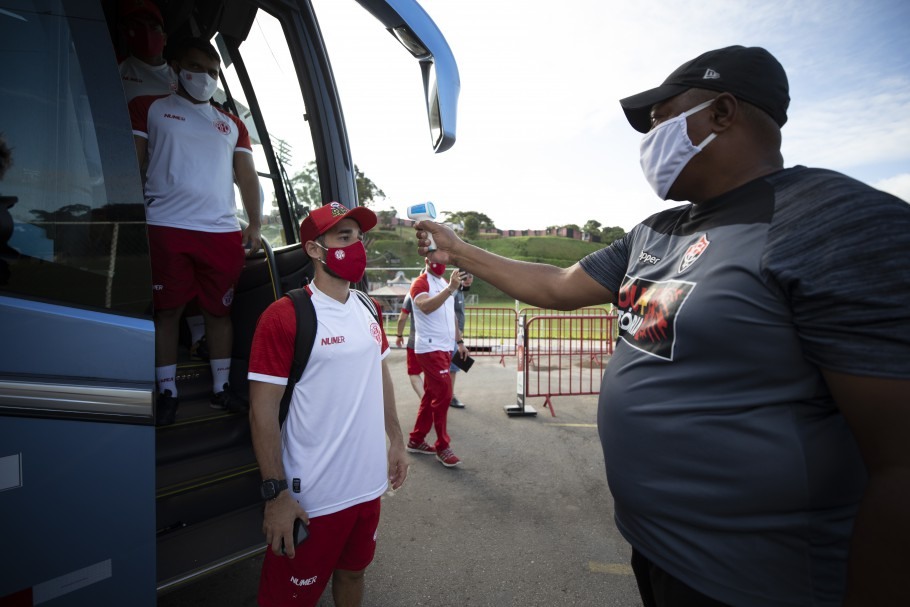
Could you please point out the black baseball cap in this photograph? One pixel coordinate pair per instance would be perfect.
(748, 73)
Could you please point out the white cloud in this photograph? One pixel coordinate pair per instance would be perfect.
(899, 185)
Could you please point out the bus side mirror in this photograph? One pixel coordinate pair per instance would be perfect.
(415, 30)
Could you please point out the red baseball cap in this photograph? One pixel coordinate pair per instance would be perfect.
(128, 8)
(321, 220)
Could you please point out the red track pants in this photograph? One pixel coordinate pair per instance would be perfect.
(437, 394)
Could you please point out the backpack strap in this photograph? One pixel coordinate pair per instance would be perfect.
(303, 344)
(306, 337)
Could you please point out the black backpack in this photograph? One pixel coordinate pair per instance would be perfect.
(306, 337)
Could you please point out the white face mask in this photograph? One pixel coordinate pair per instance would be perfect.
(666, 150)
(199, 85)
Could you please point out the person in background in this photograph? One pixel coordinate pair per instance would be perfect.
(194, 153)
(413, 367)
(144, 70)
(437, 334)
(327, 464)
(754, 414)
(458, 298)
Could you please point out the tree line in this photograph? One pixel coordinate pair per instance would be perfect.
(307, 195)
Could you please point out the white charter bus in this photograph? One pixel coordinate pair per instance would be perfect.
(97, 505)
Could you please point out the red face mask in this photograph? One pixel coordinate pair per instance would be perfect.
(348, 263)
(438, 268)
(145, 41)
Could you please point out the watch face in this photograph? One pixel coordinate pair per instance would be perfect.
(268, 489)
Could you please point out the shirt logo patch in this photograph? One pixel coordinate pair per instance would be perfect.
(693, 253)
(331, 341)
(222, 127)
(648, 311)
(175, 117)
(376, 333)
(228, 297)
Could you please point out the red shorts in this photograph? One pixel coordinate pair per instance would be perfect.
(190, 263)
(413, 365)
(341, 540)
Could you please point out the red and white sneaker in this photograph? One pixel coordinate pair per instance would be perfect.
(422, 447)
(448, 459)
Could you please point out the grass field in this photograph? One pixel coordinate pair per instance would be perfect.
(497, 321)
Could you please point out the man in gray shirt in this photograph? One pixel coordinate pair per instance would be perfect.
(460, 316)
(754, 415)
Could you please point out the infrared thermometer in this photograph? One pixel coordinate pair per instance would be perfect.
(419, 212)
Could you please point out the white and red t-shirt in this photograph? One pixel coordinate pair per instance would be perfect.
(190, 177)
(139, 78)
(333, 441)
(436, 330)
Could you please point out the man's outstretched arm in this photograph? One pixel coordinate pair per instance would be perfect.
(538, 284)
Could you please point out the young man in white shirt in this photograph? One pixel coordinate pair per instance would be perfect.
(195, 153)
(327, 464)
(438, 334)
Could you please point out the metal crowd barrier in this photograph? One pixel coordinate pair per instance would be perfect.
(490, 332)
(561, 355)
(530, 312)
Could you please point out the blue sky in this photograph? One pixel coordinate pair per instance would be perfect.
(541, 137)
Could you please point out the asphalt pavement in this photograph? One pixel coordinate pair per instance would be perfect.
(526, 520)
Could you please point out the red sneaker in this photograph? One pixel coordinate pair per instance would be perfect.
(448, 459)
(422, 447)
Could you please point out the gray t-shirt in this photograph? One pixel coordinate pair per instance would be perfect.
(408, 305)
(730, 465)
(459, 309)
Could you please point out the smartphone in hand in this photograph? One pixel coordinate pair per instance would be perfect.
(301, 533)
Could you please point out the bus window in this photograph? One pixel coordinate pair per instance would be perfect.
(271, 72)
(78, 222)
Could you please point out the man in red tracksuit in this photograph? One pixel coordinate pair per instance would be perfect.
(437, 334)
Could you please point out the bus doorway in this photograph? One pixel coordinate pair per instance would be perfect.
(99, 505)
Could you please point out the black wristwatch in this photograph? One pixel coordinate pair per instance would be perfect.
(271, 487)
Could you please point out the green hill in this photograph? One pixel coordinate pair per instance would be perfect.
(561, 252)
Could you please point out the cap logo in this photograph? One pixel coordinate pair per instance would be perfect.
(338, 209)
(710, 75)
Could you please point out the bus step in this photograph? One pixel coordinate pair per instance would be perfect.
(199, 549)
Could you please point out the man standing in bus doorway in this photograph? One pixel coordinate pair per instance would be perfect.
(195, 152)
(754, 414)
(437, 335)
(458, 300)
(327, 464)
(413, 367)
(144, 70)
